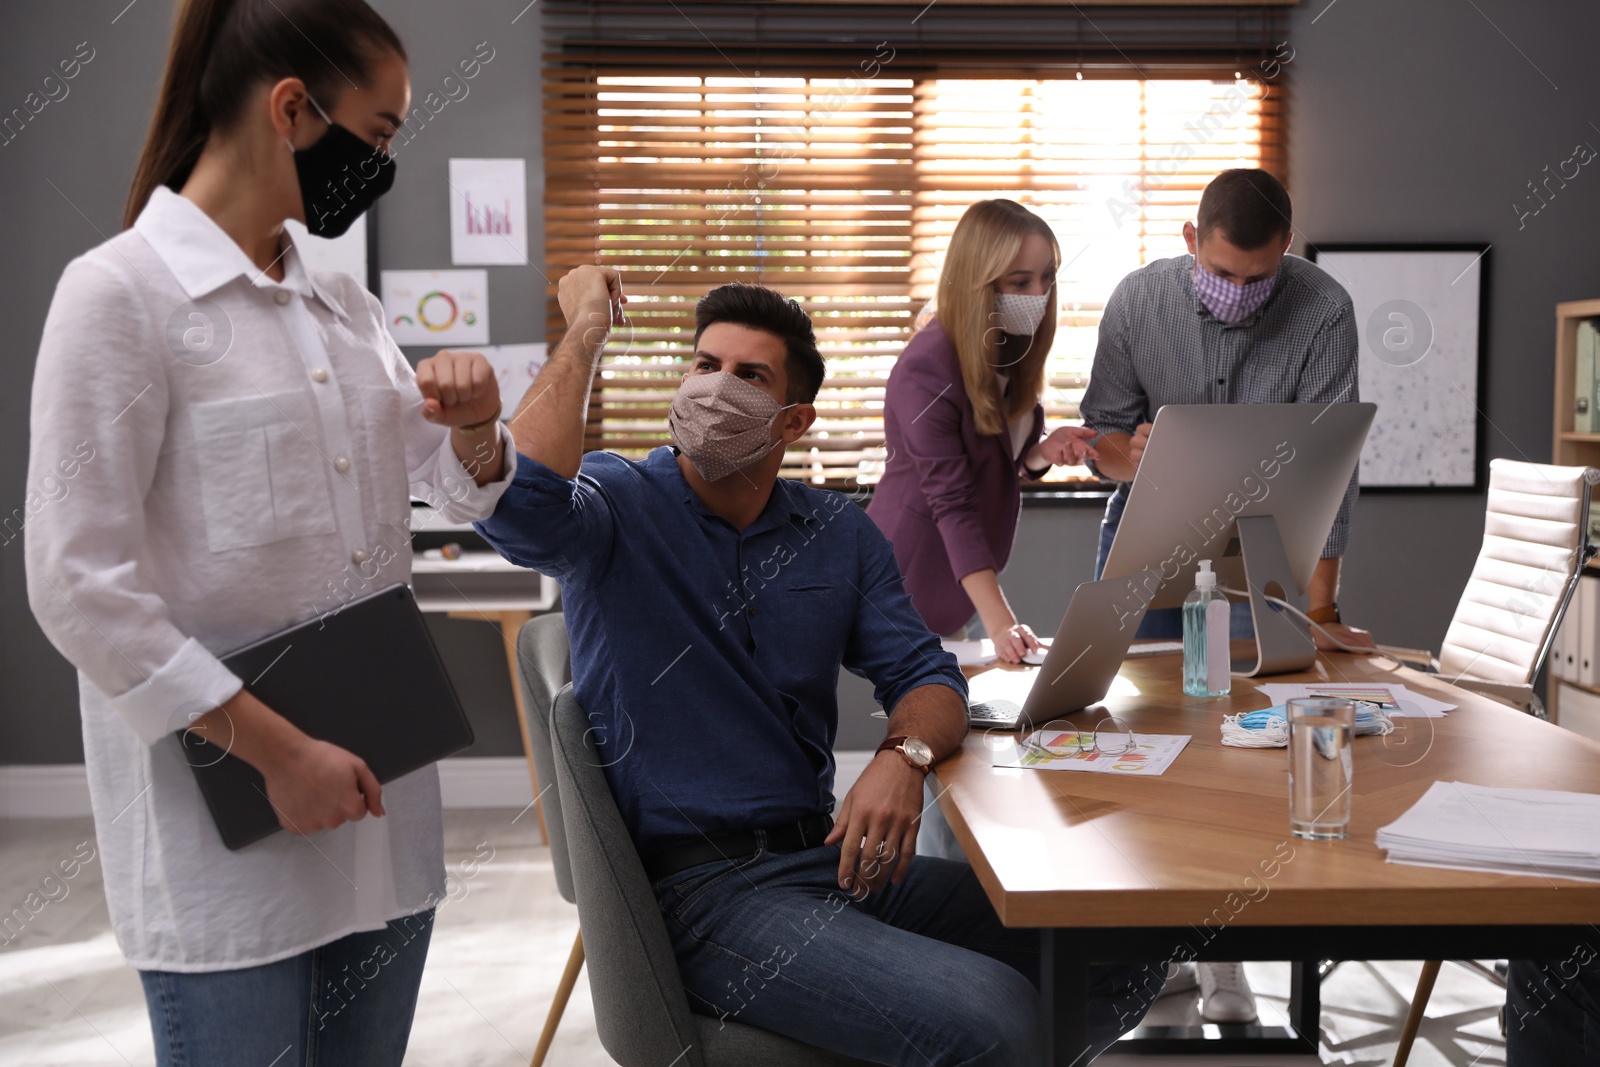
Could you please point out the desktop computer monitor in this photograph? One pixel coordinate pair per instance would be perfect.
(1252, 487)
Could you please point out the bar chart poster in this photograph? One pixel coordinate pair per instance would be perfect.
(488, 212)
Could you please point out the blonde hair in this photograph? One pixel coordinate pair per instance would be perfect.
(985, 242)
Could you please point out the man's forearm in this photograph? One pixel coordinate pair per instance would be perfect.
(1323, 590)
(936, 714)
(1115, 460)
(550, 423)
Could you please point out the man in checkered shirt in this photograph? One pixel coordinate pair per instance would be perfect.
(1237, 321)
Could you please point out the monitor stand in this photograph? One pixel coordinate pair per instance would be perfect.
(1283, 640)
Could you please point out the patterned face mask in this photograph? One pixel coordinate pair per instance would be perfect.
(1021, 313)
(722, 423)
(1229, 301)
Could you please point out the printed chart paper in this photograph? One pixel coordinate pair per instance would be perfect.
(489, 211)
(347, 252)
(437, 307)
(1151, 756)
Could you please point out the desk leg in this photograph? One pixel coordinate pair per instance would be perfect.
(1063, 1001)
(510, 625)
(1305, 1002)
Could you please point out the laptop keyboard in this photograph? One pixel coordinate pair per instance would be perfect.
(994, 713)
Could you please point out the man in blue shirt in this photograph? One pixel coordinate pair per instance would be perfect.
(710, 606)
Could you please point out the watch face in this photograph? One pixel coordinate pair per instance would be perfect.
(918, 751)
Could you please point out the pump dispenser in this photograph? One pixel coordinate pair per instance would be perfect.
(1205, 638)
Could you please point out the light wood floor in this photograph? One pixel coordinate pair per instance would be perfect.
(66, 997)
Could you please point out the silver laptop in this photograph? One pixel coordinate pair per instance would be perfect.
(1081, 664)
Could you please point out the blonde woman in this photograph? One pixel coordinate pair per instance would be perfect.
(964, 424)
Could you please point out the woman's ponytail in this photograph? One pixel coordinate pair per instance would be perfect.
(177, 130)
(221, 52)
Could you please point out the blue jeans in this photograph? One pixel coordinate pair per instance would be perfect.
(348, 1003)
(1553, 1011)
(1161, 624)
(920, 973)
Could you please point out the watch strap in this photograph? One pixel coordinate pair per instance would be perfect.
(1324, 615)
(892, 744)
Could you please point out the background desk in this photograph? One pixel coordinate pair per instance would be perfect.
(480, 585)
(1199, 863)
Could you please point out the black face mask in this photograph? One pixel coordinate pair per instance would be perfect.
(340, 177)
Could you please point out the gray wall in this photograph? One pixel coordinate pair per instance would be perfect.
(1416, 122)
(86, 145)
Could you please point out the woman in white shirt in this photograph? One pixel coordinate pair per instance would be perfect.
(239, 439)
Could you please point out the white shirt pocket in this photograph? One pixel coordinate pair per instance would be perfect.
(262, 476)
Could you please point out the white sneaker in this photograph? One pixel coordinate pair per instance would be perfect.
(1180, 979)
(1225, 995)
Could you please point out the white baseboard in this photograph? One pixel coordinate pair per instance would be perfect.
(486, 782)
(58, 790)
(44, 791)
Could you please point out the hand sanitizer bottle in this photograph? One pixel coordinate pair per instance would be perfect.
(1205, 637)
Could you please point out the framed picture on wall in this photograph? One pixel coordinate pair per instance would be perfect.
(1421, 314)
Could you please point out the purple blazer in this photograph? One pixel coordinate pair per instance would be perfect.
(950, 496)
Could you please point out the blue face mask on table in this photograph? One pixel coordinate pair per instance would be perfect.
(1269, 727)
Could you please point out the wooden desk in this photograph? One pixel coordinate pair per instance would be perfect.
(1199, 863)
(481, 586)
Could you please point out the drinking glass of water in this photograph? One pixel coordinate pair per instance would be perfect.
(1320, 762)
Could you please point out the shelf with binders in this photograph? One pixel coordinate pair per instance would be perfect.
(1577, 394)
(1595, 690)
(1575, 442)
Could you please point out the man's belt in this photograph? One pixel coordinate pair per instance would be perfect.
(688, 852)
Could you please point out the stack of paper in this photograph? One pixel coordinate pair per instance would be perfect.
(1511, 831)
(1392, 698)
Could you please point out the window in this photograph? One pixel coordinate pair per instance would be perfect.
(842, 193)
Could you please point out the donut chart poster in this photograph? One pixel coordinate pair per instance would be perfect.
(436, 308)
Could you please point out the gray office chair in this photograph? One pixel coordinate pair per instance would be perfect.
(640, 1008)
(544, 665)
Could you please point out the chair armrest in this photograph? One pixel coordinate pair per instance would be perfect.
(1516, 694)
(1420, 656)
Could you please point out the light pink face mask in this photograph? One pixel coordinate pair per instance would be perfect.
(722, 423)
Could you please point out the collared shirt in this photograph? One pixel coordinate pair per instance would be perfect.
(215, 456)
(708, 657)
(1159, 345)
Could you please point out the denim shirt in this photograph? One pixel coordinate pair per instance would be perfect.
(707, 657)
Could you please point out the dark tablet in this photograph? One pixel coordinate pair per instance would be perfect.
(366, 678)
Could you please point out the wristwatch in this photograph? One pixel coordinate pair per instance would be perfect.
(914, 750)
(1327, 614)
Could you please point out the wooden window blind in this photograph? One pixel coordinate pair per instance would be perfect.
(842, 191)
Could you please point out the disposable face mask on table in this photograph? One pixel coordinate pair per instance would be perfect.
(1269, 727)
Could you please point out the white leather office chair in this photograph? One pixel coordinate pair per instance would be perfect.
(1535, 544)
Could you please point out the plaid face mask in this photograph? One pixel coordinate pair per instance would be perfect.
(1229, 301)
